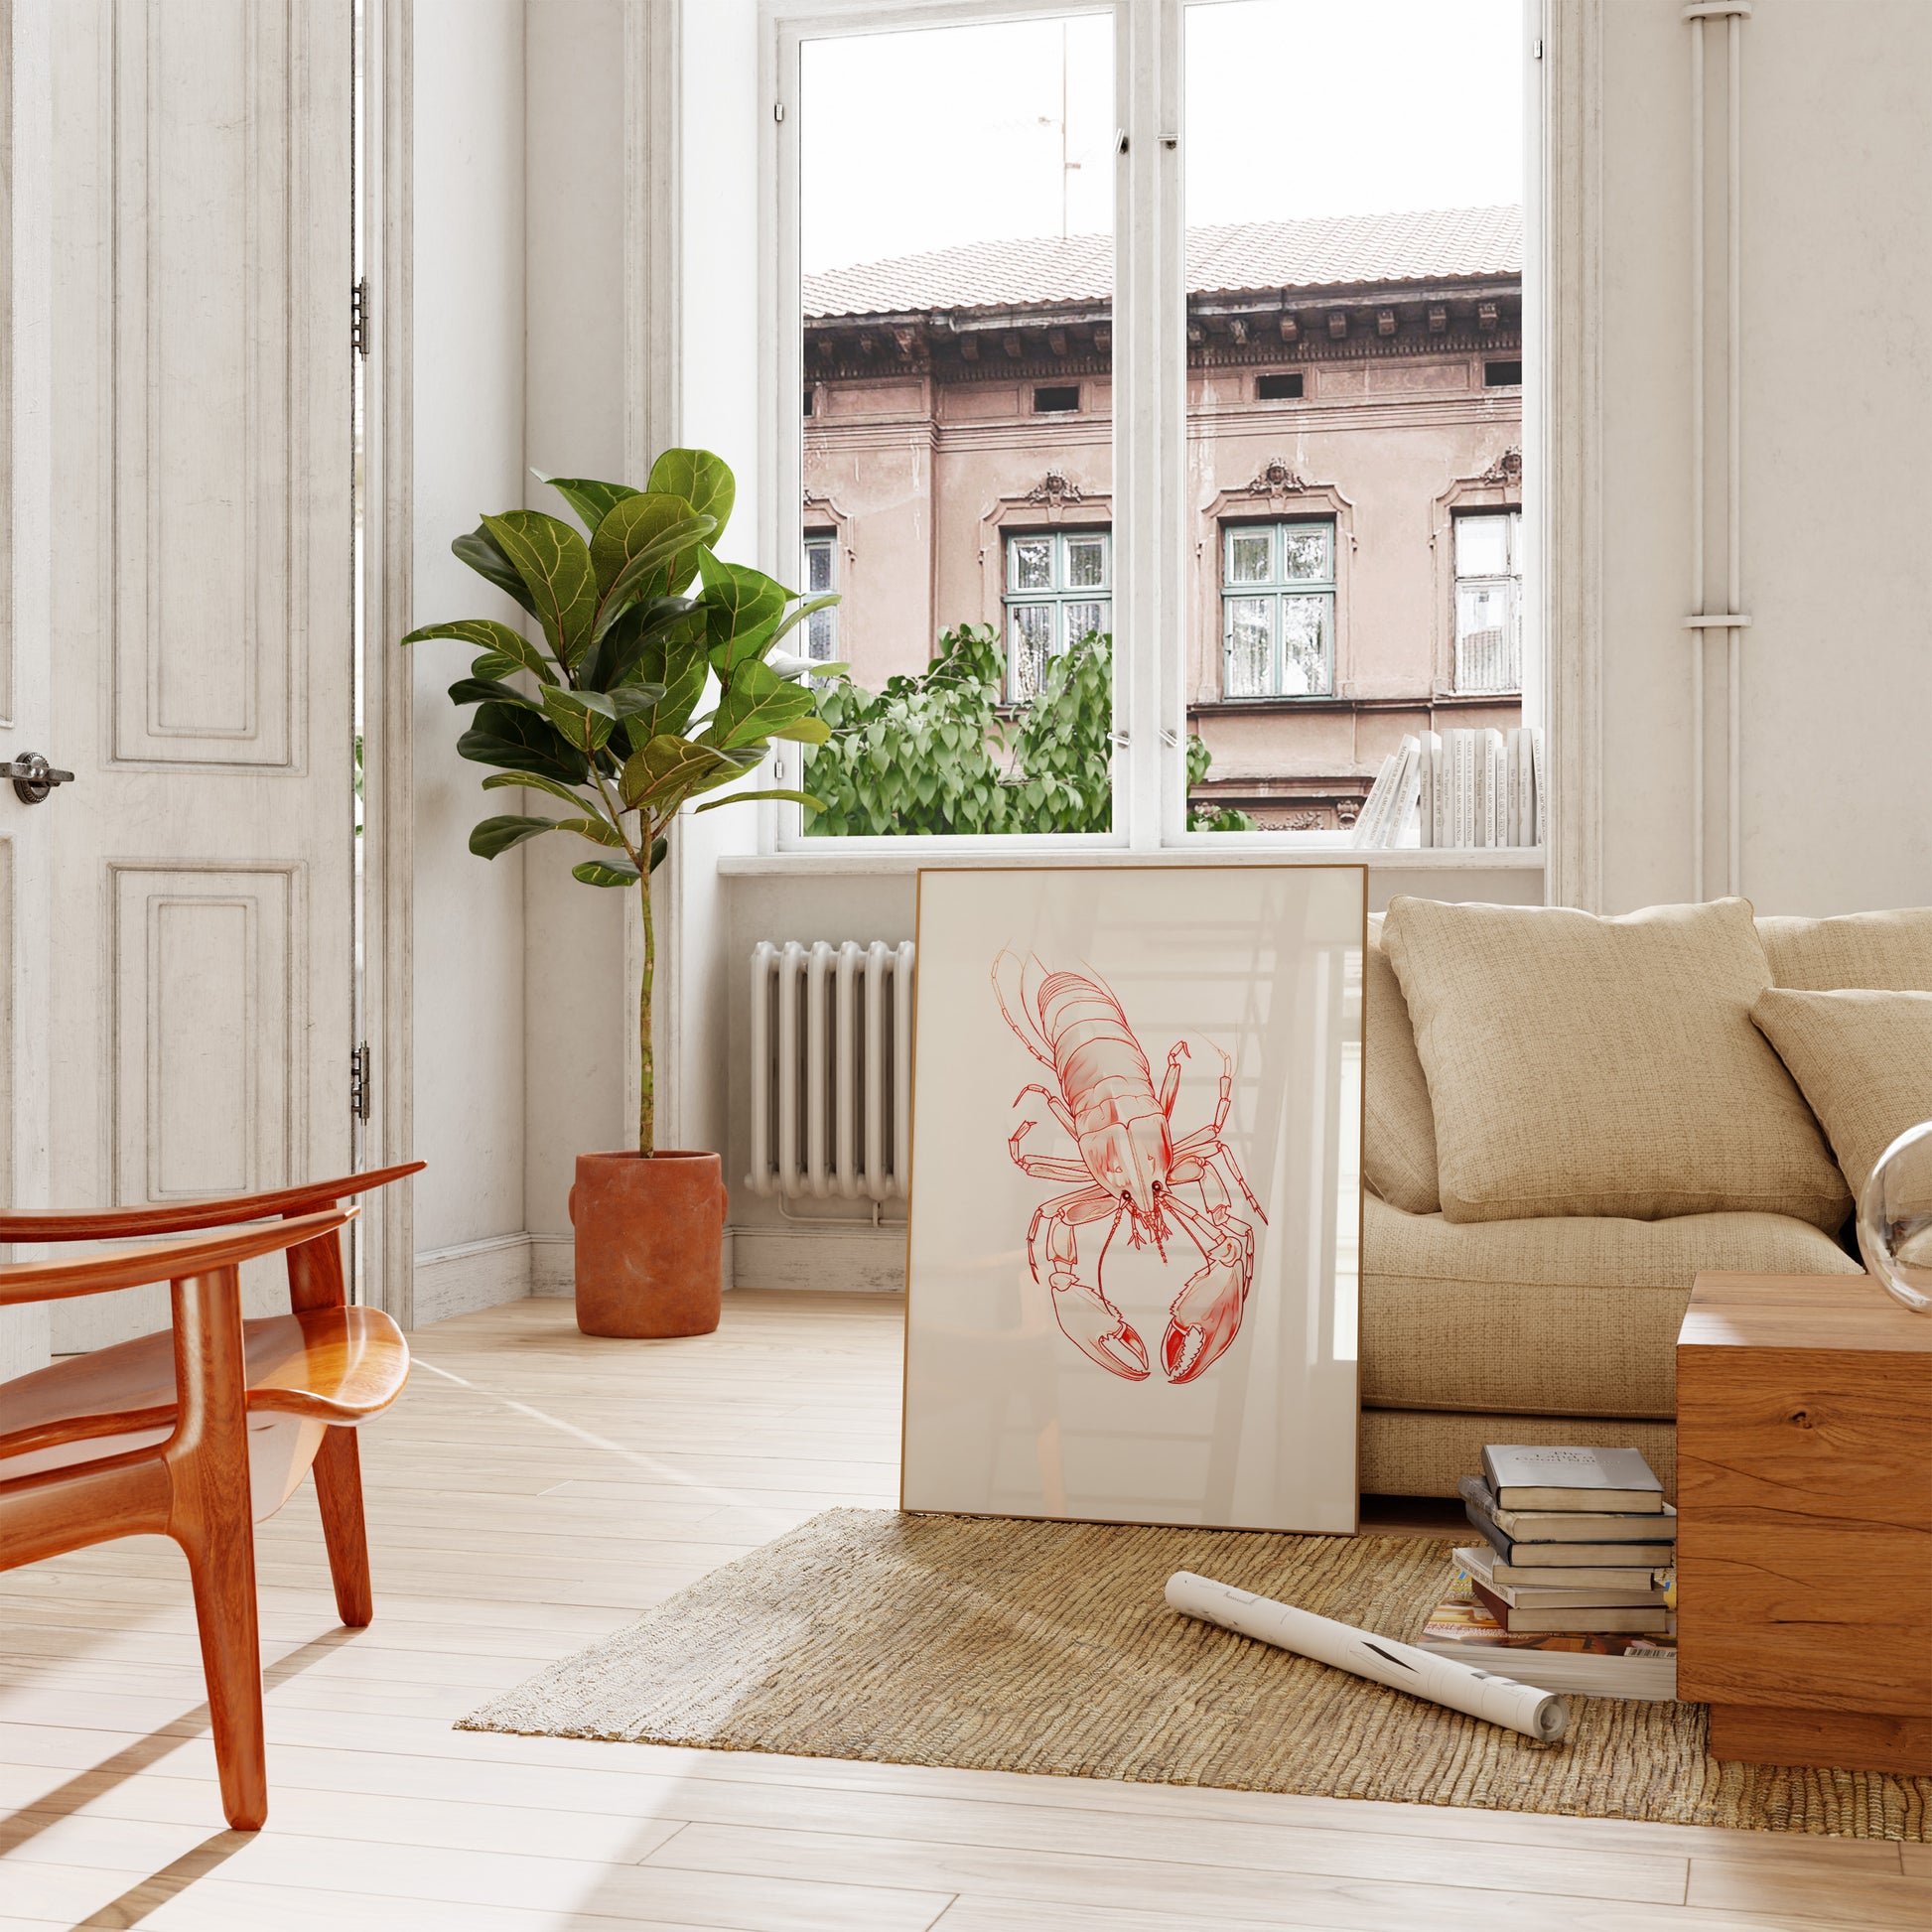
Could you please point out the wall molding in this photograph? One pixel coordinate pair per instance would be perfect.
(1562, 425)
(386, 1231)
(849, 1260)
(475, 1275)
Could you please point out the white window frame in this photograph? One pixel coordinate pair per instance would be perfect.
(1151, 562)
(1060, 595)
(1509, 581)
(821, 622)
(1274, 590)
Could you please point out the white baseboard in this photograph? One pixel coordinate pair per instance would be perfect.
(476, 1274)
(553, 1264)
(859, 1260)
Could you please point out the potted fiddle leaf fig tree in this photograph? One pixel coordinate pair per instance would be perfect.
(655, 681)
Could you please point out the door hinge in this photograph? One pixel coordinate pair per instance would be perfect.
(358, 317)
(359, 1083)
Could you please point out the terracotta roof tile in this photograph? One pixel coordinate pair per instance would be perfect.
(1429, 245)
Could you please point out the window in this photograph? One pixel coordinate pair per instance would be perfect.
(1489, 600)
(821, 575)
(807, 410)
(988, 410)
(1278, 609)
(1057, 592)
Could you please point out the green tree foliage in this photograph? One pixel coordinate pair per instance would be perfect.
(941, 753)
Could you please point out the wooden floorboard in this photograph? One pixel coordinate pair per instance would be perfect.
(533, 1491)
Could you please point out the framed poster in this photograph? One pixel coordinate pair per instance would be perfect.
(1136, 1194)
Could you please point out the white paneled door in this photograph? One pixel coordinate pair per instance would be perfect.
(199, 1009)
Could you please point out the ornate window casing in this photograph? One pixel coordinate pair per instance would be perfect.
(1485, 666)
(1058, 507)
(1287, 508)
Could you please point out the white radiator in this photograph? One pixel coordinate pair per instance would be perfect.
(831, 1069)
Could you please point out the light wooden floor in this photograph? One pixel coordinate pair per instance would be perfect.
(532, 1491)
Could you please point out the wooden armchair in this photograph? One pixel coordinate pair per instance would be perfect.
(199, 1432)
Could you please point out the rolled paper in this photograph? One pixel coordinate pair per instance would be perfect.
(1401, 1665)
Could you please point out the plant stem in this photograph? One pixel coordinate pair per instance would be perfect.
(647, 1069)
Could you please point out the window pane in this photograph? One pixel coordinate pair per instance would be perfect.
(1307, 553)
(1031, 644)
(1085, 621)
(956, 246)
(1481, 546)
(818, 565)
(1305, 646)
(1353, 186)
(821, 637)
(1251, 649)
(1087, 563)
(1250, 556)
(1488, 653)
(1030, 562)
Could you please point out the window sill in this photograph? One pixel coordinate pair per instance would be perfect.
(860, 860)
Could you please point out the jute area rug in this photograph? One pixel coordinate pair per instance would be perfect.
(1047, 1647)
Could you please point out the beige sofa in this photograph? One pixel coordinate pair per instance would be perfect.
(1558, 1328)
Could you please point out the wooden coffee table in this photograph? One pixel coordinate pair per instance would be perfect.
(1804, 1539)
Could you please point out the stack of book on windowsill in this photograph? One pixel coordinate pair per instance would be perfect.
(1575, 1576)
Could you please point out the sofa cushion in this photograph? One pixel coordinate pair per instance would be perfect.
(1880, 949)
(1864, 1060)
(1425, 1451)
(1586, 1066)
(1564, 1316)
(1397, 1129)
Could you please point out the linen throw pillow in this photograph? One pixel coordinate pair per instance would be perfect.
(1586, 1066)
(1397, 1129)
(1855, 949)
(1865, 1062)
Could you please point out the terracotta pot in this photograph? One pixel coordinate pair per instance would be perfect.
(650, 1242)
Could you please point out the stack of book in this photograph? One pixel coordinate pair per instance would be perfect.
(1575, 1575)
(1457, 788)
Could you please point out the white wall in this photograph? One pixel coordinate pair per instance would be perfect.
(573, 404)
(1835, 426)
(468, 285)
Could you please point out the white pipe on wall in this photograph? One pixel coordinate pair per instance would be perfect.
(1731, 621)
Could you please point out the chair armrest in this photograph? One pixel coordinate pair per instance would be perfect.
(182, 1217)
(58, 1281)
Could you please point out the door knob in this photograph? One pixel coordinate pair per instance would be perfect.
(32, 776)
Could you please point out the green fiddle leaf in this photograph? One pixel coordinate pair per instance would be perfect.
(659, 846)
(757, 704)
(598, 830)
(585, 718)
(761, 642)
(668, 770)
(554, 563)
(606, 871)
(704, 481)
(521, 740)
(745, 797)
(496, 835)
(479, 550)
(635, 525)
(742, 608)
(649, 573)
(488, 690)
(536, 781)
(593, 501)
(805, 731)
(497, 639)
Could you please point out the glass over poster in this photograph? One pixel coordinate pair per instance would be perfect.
(1137, 1195)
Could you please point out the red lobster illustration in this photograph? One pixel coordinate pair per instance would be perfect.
(1130, 1168)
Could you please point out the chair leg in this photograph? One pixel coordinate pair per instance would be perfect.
(221, 1565)
(339, 1490)
(209, 1517)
